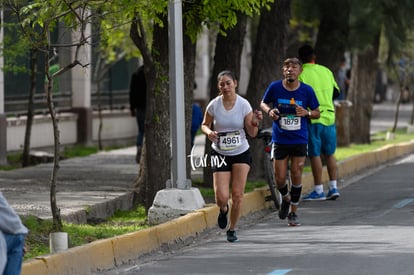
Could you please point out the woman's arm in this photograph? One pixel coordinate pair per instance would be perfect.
(252, 121)
(206, 127)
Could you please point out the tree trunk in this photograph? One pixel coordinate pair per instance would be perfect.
(227, 56)
(361, 93)
(56, 217)
(151, 178)
(331, 45)
(140, 183)
(403, 81)
(270, 51)
(30, 108)
(157, 121)
(98, 92)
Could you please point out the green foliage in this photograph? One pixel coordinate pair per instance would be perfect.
(305, 19)
(368, 18)
(79, 151)
(14, 49)
(398, 22)
(366, 21)
(112, 23)
(378, 140)
(37, 241)
(14, 161)
(219, 14)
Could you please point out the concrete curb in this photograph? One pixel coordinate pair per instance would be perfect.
(101, 210)
(108, 253)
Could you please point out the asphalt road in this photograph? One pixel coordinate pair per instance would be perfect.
(368, 230)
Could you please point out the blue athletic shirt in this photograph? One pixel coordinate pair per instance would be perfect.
(278, 97)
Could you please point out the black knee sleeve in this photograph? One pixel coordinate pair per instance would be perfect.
(283, 190)
(295, 194)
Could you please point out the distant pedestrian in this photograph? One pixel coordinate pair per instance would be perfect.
(137, 104)
(290, 104)
(322, 131)
(228, 119)
(342, 79)
(196, 120)
(14, 233)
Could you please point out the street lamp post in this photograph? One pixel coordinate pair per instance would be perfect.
(177, 105)
(179, 197)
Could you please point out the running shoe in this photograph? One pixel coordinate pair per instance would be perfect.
(293, 219)
(314, 197)
(332, 194)
(231, 236)
(284, 209)
(222, 219)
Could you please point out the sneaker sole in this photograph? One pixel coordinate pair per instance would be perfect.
(222, 226)
(293, 224)
(235, 241)
(332, 198)
(318, 199)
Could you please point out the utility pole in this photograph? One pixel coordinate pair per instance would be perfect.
(179, 197)
(177, 106)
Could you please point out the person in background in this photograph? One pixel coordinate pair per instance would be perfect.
(3, 253)
(137, 105)
(228, 119)
(342, 79)
(14, 233)
(196, 119)
(322, 131)
(290, 104)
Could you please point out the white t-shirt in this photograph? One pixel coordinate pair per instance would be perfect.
(230, 125)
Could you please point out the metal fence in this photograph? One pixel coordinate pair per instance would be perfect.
(18, 105)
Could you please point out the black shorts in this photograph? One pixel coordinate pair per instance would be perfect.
(281, 151)
(221, 162)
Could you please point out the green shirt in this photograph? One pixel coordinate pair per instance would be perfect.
(323, 83)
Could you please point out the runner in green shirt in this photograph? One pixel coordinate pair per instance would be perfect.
(322, 131)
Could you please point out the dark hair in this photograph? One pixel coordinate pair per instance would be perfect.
(306, 53)
(229, 73)
(292, 60)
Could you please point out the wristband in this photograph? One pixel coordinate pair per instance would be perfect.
(309, 114)
(268, 112)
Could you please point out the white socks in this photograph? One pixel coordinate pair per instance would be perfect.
(319, 188)
(332, 184)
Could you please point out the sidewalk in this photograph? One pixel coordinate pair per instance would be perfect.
(90, 187)
(100, 183)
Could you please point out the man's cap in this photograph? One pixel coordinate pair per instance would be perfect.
(292, 60)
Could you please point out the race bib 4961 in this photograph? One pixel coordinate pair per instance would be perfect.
(229, 140)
